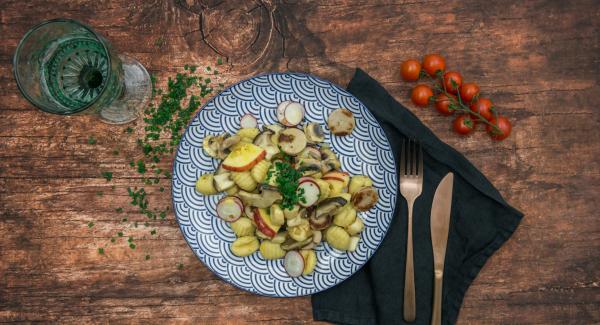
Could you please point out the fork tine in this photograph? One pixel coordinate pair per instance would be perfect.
(413, 167)
(420, 161)
(403, 158)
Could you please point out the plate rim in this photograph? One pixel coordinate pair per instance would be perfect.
(175, 164)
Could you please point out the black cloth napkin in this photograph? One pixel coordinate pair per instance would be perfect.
(481, 221)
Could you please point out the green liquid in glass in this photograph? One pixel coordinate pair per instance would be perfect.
(75, 71)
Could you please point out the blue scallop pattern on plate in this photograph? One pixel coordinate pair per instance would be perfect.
(366, 151)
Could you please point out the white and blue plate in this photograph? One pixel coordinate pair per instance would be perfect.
(366, 151)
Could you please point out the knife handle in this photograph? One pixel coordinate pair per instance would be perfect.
(410, 308)
(436, 317)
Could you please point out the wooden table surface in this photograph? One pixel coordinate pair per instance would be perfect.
(538, 61)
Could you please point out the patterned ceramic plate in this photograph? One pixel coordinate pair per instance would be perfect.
(366, 151)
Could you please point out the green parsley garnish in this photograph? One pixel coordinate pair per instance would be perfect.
(90, 224)
(100, 250)
(147, 257)
(141, 166)
(91, 140)
(287, 182)
(107, 175)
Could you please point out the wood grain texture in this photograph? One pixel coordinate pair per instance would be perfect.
(538, 60)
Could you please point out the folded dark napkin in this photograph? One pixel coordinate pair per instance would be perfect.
(481, 221)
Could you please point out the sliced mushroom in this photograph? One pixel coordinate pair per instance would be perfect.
(329, 160)
(365, 198)
(223, 182)
(320, 223)
(292, 141)
(274, 127)
(309, 166)
(341, 122)
(291, 244)
(310, 245)
(310, 152)
(263, 140)
(226, 144)
(323, 214)
(212, 143)
(314, 132)
(267, 197)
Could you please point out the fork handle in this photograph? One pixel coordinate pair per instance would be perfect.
(410, 309)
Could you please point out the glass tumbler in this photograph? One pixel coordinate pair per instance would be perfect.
(64, 67)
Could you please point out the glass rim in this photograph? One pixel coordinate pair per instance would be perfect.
(35, 28)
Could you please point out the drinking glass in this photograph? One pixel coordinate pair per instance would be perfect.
(64, 67)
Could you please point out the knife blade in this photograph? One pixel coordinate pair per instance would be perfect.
(440, 225)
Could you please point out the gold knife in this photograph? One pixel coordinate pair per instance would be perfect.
(440, 224)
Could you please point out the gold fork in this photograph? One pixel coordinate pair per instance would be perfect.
(411, 185)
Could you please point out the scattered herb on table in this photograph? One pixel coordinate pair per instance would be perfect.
(107, 175)
(164, 121)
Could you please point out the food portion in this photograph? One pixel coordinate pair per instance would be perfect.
(285, 189)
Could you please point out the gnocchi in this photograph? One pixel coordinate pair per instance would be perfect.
(243, 227)
(270, 250)
(244, 246)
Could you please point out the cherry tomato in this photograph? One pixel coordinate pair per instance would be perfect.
(447, 81)
(483, 106)
(420, 95)
(432, 63)
(468, 91)
(442, 103)
(503, 124)
(463, 124)
(410, 70)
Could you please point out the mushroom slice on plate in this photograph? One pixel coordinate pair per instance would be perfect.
(314, 132)
(228, 142)
(212, 143)
(292, 141)
(264, 141)
(268, 196)
(308, 166)
(365, 198)
(321, 217)
(341, 122)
